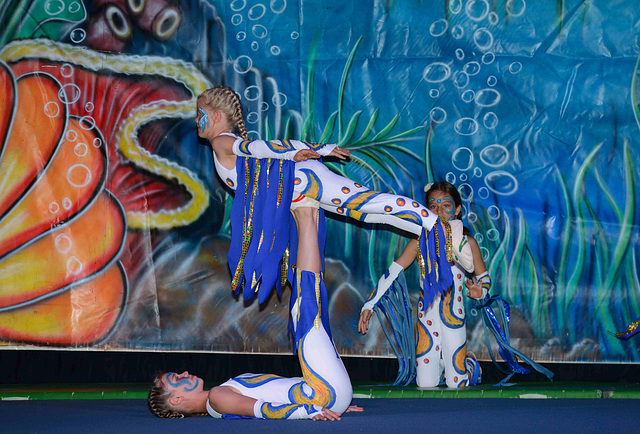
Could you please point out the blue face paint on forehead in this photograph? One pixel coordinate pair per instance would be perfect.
(203, 123)
(442, 201)
(183, 382)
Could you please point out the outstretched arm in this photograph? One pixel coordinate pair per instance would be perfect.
(402, 263)
(286, 149)
(326, 151)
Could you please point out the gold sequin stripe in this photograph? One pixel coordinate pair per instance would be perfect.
(285, 266)
(284, 270)
(448, 245)
(268, 171)
(436, 238)
(421, 261)
(317, 278)
(437, 241)
(237, 274)
(248, 225)
(280, 182)
(279, 197)
(261, 238)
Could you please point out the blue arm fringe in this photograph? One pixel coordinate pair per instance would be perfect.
(396, 317)
(507, 352)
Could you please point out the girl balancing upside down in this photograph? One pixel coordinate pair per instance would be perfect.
(268, 174)
(323, 393)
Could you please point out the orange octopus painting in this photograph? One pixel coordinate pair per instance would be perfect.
(79, 180)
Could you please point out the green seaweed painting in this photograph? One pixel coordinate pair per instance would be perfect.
(372, 150)
(22, 19)
(589, 286)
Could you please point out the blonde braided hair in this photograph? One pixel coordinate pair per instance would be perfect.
(226, 100)
(159, 400)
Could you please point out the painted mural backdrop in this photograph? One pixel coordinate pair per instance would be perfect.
(114, 228)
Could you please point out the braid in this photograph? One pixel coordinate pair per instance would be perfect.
(226, 100)
(159, 401)
(238, 117)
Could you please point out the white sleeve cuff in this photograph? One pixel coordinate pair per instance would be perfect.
(462, 253)
(318, 410)
(326, 149)
(257, 408)
(383, 285)
(485, 281)
(212, 412)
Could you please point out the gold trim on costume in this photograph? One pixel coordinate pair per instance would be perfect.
(247, 230)
(448, 245)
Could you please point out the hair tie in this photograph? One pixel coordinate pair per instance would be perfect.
(428, 187)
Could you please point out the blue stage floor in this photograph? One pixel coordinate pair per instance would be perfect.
(381, 415)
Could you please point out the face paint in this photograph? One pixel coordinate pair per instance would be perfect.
(448, 211)
(203, 122)
(444, 204)
(183, 382)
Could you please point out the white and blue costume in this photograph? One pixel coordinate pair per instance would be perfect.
(335, 193)
(441, 333)
(441, 328)
(267, 180)
(325, 382)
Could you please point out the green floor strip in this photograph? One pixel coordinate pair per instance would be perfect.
(74, 391)
(520, 391)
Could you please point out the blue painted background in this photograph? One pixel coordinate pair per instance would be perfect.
(529, 108)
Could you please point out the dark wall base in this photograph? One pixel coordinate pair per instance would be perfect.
(33, 367)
